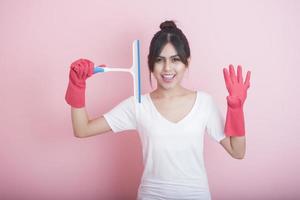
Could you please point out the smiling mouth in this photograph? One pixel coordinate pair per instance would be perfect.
(168, 78)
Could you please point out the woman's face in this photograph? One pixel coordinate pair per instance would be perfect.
(168, 68)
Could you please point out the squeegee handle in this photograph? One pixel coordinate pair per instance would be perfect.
(102, 68)
(99, 68)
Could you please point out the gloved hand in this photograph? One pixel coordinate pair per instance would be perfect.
(80, 70)
(235, 125)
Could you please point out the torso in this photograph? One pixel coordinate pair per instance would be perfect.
(176, 108)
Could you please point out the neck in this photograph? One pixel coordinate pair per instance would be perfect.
(169, 93)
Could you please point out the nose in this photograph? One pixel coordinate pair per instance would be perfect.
(167, 66)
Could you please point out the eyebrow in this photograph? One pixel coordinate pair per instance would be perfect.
(170, 56)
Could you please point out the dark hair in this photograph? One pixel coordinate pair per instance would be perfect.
(169, 33)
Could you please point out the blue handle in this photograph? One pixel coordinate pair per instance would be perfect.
(98, 69)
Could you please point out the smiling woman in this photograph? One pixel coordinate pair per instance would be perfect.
(173, 38)
(171, 120)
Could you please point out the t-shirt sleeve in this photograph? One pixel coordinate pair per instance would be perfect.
(122, 117)
(215, 122)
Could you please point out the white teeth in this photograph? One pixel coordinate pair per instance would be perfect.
(168, 77)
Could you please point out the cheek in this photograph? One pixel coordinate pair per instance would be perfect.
(181, 69)
(155, 73)
(157, 69)
(158, 66)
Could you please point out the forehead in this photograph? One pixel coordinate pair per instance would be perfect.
(168, 50)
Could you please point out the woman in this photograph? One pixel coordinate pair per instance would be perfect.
(171, 120)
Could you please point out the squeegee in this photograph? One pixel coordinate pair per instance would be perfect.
(134, 70)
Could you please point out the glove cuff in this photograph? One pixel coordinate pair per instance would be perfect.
(235, 124)
(75, 96)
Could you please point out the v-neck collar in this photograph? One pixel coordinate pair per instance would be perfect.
(180, 121)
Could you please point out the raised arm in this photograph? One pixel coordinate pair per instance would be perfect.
(235, 143)
(80, 70)
(83, 127)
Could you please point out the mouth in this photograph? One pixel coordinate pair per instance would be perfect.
(168, 77)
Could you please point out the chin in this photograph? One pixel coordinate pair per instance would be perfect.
(168, 86)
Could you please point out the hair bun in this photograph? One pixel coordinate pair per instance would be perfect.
(168, 25)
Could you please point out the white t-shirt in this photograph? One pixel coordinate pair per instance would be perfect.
(172, 152)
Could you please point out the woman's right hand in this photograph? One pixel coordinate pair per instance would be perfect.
(80, 70)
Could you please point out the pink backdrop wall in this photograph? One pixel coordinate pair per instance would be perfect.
(41, 159)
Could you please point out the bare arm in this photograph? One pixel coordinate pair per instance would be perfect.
(235, 146)
(83, 127)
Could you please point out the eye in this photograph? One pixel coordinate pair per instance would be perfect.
(158, 59)
(176, 60)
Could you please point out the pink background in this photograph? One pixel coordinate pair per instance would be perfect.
(41, 159)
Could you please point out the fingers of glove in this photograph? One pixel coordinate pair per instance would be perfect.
(90, 69)
(226, 78)
(76, 67)
(80, 69)
(247, 81)
(83, 68)
(232, 74)
(240, 74)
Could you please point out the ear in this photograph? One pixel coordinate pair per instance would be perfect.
(189, 60)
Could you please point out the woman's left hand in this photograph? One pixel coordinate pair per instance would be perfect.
(236, 87)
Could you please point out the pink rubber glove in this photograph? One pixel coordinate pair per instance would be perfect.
(80, 70)
(235, 125)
